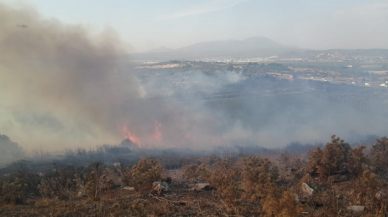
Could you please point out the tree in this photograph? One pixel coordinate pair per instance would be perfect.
(332, 158)
(378, 155)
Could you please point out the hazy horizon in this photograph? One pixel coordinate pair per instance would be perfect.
(148, 25)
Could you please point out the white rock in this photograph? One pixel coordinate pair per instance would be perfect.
(80, 194)
(129, 188)
(380, 195)
(356, 208)
(307, 190)
(200, 187)
(160, 186)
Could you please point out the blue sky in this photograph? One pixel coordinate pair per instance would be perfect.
(303, 23)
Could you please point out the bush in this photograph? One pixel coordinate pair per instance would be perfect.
(290, 160)
(258, 176)
(286, 206)
(144, 173)
(332, 158)
(63, 184)
(97, 182)
(14, 192)
(378, 155)
(20, 187)
(194, 171)
(225, 178)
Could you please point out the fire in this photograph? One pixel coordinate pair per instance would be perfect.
(132, 137)
(157, 135)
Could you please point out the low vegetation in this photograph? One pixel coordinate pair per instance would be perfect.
(336, 179)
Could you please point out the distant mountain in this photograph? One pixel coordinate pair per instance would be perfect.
(255, 43)
(159, 50)
(250, 47)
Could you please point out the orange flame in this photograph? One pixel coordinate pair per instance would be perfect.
(127, 134)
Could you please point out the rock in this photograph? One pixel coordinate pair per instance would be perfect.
(380, 195)
(80, 194)
(201, 187)
(159, 186)
(356, 208)
(129, 188)
(81, 191)
(307, 190)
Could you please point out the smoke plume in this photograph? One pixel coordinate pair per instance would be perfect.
(59, 83)
(63, 87)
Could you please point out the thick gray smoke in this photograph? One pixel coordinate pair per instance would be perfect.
(253, 112)
(62, 87)
(58, 82)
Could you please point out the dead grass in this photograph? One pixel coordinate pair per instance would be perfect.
(241, 186)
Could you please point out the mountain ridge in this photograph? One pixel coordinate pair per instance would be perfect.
(252, 47)
(258, 42)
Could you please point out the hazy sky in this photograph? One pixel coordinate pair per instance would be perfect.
(303, 23)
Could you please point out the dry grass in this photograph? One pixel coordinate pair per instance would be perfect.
(241, 186)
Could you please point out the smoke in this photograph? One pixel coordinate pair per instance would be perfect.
(63, 87)
(189, 84)
(59, 83)
(262, 111)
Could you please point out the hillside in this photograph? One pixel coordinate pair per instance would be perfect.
(250, 47)
(159, 50)
(255, 43)
(253, 48)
